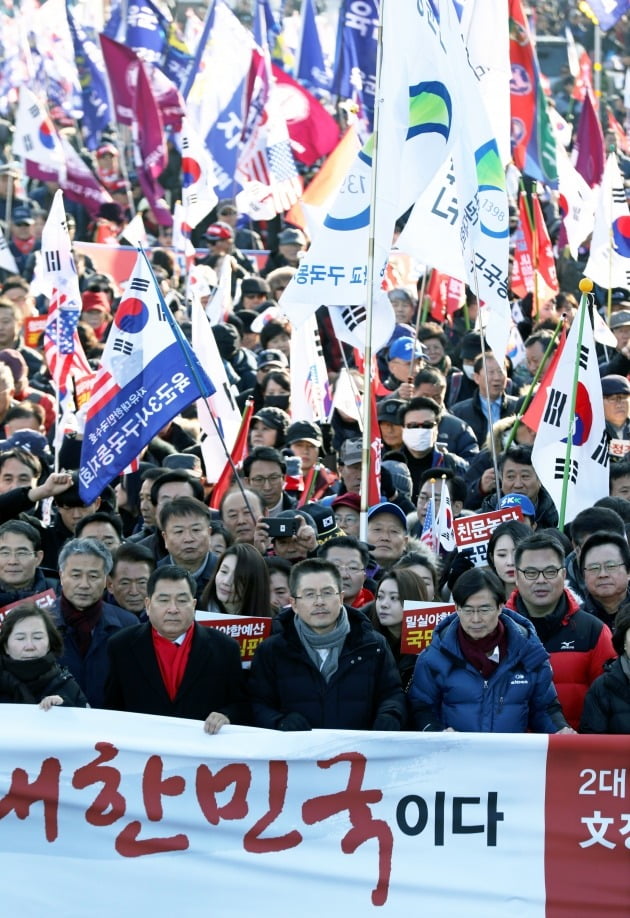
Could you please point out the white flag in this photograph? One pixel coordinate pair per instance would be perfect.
(198, 178)
(446, 532)
(222, 402)
(577, 201)
(310, 390)
(58, 267)
(609, 261)
(35, 138)
(588, 459)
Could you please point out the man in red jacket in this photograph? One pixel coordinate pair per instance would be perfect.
(577, 642)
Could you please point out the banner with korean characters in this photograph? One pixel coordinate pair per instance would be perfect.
(472, 533)
(248, 630)
(132, 814)
(419, 622)
(45, 600)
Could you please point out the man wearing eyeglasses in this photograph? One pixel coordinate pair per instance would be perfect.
(420, 418)
(20, 557)
(264, 471)
(578, 643)
(326, 668)
(605, 567)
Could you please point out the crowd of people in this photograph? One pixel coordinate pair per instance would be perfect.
(98, 601)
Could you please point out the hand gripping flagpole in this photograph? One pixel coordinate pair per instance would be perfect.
(586, 286)
(367, 362)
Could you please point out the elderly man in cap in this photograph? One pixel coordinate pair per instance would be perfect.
(23, 243)
(619, 362)
(387, 533)
(350, 455)
(616, 392)
(254, 291)
(403, 362)
(291, 246)
(347, 509)
(304, 439)
(220, 238)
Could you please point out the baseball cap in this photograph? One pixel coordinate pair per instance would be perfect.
(518, 500)
(274, 418)
(405, 349)
(389, 410)
(619, 319)
(31, 441)
(614, 384)
(219, 231)
(304, 430)
(324, 520)
(253, 286)
(351, 451)
(392, 509)
(349, 499)
(22, 215)
(95, 299)
(291, 236)
(271, 357)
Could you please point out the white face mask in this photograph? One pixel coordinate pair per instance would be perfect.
(418, 439)
(468, 370)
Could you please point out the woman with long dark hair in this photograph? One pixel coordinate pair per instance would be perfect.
(240, 584)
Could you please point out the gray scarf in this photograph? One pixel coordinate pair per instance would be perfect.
(332, 641)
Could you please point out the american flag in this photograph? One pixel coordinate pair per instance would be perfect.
(62, 348)
(428, 534)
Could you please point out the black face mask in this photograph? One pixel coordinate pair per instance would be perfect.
(277, 401)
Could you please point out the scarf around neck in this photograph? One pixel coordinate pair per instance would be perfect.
(332, 642)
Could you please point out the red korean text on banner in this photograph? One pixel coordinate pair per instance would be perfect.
(45, 600)
(472, 533)
(419, 623)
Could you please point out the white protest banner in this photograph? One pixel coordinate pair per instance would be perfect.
(125, 814)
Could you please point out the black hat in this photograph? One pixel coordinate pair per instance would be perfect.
(304, 430)
(324, 520)
(253, 286)
(271, 357)
(471, 346)
(226, 337)
(614, 384)
(389, 409)
(274, 418)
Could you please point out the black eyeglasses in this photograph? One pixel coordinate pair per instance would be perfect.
(427, 425)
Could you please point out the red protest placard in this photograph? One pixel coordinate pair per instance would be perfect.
(418, 624)
(33, 328)
(248, 630)
(45, 600)
(472, 533)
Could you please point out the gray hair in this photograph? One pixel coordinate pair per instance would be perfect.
(86, 547)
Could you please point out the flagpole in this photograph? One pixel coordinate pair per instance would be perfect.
(200, 385)
(419, 319)
(586, 286)
(367, 362)
(534, 383)
(493, 447)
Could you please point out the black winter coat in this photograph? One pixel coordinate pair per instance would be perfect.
(607, 702)
(364, 694)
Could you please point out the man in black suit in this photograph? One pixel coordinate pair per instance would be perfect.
(173, 666)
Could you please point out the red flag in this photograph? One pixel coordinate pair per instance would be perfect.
(522, 85)
(533, 253)
(446, 294)
(312, 131)
(589, 142)
(536, 407)
(374, 470)
(239, 451)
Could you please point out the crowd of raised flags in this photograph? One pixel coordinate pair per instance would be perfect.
(426, 178)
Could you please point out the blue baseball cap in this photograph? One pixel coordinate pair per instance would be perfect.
(392, 509)
(518, 500)
(404, 349)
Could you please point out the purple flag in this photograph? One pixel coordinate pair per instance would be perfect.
(591, 155)
(149, 147)
(79, 184)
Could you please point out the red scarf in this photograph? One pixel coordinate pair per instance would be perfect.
(82, 621)
(476, 652)
(24, 246)
(172, 659)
